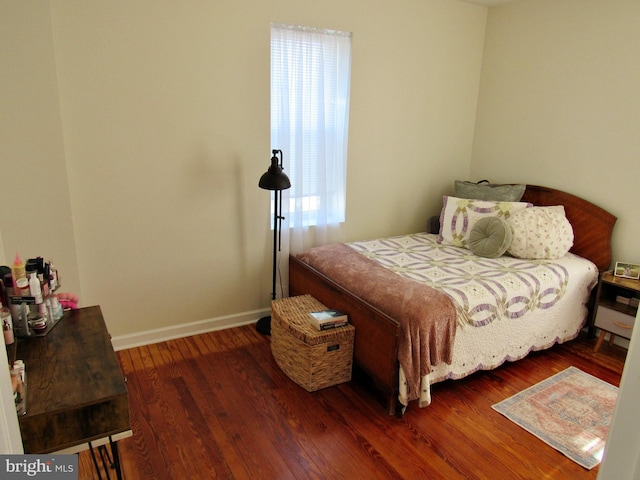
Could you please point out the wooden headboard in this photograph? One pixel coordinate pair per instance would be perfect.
(592, 225)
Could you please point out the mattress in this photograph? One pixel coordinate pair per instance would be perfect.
(506, 307)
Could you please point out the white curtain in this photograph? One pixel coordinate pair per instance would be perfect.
(310, 77)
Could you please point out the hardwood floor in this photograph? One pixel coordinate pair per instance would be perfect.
(217, 406)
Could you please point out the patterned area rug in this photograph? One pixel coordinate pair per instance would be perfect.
(571, 411)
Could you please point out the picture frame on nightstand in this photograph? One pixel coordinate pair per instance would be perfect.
(627, 270)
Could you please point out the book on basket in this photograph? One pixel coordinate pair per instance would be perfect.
(325, 319)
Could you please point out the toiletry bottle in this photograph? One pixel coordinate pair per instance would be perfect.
(49, 303)
(54, 281)
(58, 311)
(44, 284)
(18, 269)
(7, 325)
(18, 388)
(30, 268)
(13, 308)
(21, 321)
(34, 287)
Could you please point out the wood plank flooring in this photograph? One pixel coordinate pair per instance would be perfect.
(217, 406)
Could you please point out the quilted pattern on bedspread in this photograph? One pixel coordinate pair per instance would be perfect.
(482, 289)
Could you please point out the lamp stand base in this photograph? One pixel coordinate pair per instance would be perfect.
(263, 325)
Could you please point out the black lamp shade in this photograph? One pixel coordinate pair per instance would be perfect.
(274, 178)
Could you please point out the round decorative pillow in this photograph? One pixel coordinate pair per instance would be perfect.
(490, 237)
(540, 232)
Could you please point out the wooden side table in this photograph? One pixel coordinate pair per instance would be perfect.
(76, 392)
(614, 312)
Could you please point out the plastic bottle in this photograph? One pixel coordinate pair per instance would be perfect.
(13, 308)
(54, 281)
(21, 321)
(58, 311)
(18, 270)
(18, 375)
(7, 325)
(34, 287)
(49, 303)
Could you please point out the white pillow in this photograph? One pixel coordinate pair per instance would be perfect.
(540, 232)
(459, 215)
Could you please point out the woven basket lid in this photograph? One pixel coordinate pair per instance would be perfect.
(293, 315)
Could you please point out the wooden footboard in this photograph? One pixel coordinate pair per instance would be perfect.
(375, 347)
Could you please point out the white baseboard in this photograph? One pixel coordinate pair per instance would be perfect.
(148, 337)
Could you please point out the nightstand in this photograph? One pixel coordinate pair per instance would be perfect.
(616, 306)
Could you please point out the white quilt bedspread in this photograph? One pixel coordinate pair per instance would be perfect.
(507, 307)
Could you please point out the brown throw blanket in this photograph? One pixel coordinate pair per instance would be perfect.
(426, 316)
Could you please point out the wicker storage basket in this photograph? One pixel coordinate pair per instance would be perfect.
(313, 359)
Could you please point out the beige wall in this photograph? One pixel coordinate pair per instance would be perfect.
(160, 110)
(135, 132)
(35, 210)
(559, 104)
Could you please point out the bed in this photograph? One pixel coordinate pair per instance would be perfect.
(466, 334)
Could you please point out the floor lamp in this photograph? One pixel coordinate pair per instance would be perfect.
(276, 180)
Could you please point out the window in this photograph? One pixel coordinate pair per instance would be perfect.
(310, 76)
